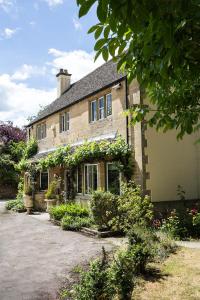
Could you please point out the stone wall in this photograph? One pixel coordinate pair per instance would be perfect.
(8, 192)
(80, 128)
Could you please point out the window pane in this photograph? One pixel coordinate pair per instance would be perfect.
(67, 121)
(101, 108)
(94, 182)
(93, 111)
(113, 179)
(44, 181)
(79, 180)
(90, 178)
(86, 181)
(109, 104)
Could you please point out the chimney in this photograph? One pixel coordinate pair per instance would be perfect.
(64, 81)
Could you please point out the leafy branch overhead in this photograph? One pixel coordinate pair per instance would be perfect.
(157, 42)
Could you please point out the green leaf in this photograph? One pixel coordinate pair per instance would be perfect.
(85, 7)
(99, 44)
(98, 32)
(97, 55)
(105, 53)
(93, 28)
(106, 31)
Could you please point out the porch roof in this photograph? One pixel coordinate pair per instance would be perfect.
(42, 154)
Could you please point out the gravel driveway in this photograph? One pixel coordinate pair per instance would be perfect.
(35, 256)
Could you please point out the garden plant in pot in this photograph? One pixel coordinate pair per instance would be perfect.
(28, 199)
(51, 196)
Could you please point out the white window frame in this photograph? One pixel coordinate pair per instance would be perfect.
(64, 121)
(92, 117)
(107, 105)
(100, 109)
(41, 178)
(120, 176)
(85, 191)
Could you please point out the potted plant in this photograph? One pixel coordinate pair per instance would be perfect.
(50, 196)
(28, 199)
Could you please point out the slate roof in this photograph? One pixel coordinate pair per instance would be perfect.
(100, 78)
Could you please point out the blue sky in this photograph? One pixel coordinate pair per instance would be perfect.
(37, 37)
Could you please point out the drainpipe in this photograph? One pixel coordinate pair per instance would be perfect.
(127, 106)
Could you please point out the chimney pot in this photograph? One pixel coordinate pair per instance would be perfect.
(64, 81)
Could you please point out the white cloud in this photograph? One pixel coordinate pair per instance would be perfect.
(8, 33)
(79, 63)
(6, 5)
(27, 71)
(77, 24)
(18, 101)
(52, 3)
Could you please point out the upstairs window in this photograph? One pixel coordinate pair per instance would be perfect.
(93, 111)
(101, 108)
(41, 131)
(108, 105)
(64, 122)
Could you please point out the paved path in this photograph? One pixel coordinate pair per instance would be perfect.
(35, 255)
(189, 244)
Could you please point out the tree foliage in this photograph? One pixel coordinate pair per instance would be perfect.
(156, 42)
(11, 133)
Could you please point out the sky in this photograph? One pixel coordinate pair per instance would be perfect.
(37, 38)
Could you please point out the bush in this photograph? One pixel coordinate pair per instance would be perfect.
(75, 223)
(75, 210)
(15, 205)
(164, 246)
(94, 282)
(133, 208)
(180, 224)
(103, 208)
(51, 193)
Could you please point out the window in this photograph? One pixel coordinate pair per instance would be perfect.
(113, 179)
(108, 105)
(64, 122)
(90, 178)
(44, 180)
(41, 131)
(101, 108)
(79, 180)
(93, 111)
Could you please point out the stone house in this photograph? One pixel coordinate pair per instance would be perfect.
(92, 109)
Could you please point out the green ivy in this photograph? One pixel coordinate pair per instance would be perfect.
(71, 157)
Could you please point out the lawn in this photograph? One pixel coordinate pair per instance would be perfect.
(178, 278)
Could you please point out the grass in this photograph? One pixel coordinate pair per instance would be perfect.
(178, 278)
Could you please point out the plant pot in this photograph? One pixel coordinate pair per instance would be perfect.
(28, 202)
(50, 203)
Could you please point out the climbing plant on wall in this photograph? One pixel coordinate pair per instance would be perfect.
(71, 157)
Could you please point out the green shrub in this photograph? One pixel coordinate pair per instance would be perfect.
(58, 212)
(164, 246)
(75, 223)
(179, 224)
(15, 205)
(94, 282)
(51, 193)
(132, 207)
(103, 208)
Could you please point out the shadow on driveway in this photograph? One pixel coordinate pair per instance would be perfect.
(36, 256)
